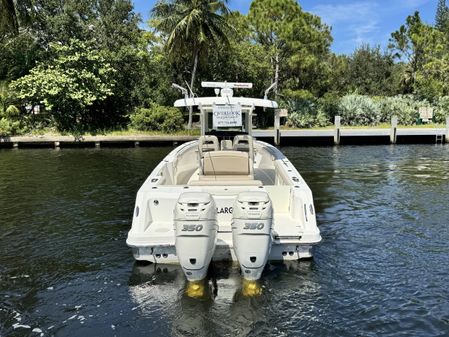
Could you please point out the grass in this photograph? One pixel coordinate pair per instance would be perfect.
(379, 126)
(196, 131)
(122, 132)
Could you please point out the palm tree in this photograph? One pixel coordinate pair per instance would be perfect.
(191, 26)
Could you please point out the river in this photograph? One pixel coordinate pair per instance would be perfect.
(381, 269)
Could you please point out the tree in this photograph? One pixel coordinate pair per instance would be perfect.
(442, 17)
(408, 44)
(421, 47)
(370, 71)
(432, 80)
(240, 60)
(271, 20)
(339, 82)
(296, 41)
(191, 27)
(8, 18)
(77, 79)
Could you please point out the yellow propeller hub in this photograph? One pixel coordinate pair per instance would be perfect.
(251, 288)
(195, 289)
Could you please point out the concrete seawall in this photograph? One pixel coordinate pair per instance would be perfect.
(91, 141)
(326, 137)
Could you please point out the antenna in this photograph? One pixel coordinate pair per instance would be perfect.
(192, 94)
(183, 90)
(271, 87)
(228, 85)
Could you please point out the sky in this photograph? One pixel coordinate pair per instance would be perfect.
(353, 22)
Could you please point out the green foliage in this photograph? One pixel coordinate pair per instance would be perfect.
(329, 104)
(7, 127)
(237, 61)
(70, 84)
(10, 121)
(300, 120)
(114, 66)
(359, 110)
(424, 49)
(441, 111)
(11, 112)
(8, 18)
(370, 71)
(157, 118)
(5, 97)
(306, 113)
(191, 28)
(404, 107)
(432, 78)
(442, 17)
(18, 55)
(296, 42)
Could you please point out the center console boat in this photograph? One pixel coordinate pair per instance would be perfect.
(225, 196)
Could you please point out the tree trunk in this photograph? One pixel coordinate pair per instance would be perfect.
(8, 17)
(192, 81)
(276, 75)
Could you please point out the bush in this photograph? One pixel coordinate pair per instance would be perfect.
(300, 120)
(359, 110)
(12, 112)
(157, 118)
(71, 85)
(329, 105)
(11, 121)
(8, 128)
(406, 108)
(306, 113)
(441, 110)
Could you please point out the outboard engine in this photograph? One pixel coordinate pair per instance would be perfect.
(196, 232)
(251, 232)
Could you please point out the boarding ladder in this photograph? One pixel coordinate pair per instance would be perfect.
(439, 137)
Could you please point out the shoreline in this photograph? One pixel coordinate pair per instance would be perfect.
(296, 137)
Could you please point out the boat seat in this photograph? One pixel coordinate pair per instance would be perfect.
(207, 143)
(226, 144)
(244, 143)
(225, 168)
(233, 163)
(219, 181)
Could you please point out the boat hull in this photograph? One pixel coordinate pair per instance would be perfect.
(294, 228)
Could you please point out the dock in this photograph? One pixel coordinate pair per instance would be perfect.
(302, 137)
(350, 136)
(92, 141)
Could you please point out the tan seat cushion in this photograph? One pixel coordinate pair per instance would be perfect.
(226, 177)
(219, 182)
(226, 163)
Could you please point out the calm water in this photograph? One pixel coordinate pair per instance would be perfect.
(382, 268)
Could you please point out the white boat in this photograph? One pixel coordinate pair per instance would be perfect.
(225, 196)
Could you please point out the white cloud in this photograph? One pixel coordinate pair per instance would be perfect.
(337, 13)
(358, 21)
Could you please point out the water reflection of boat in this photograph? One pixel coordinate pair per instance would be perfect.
(224, 309)
(225, 196)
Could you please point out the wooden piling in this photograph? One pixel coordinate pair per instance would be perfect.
(337, 130)
(394, 130)
(277, 127)
(447, 129)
